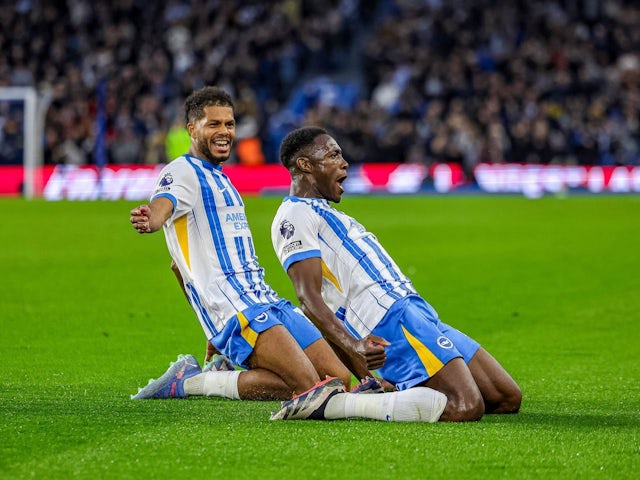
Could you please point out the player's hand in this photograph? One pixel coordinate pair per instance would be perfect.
(210, 352)
(374, 351)
(140, 219)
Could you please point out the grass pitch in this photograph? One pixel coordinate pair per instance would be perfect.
(89, 310)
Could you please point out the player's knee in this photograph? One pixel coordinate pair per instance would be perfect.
(468, 408)
(511, 401)
(507, 400)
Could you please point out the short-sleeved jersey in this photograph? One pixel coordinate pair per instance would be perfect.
(360, 281)
(209, 239)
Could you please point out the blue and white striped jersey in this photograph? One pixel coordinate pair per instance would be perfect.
(209, 239)
(360, 281)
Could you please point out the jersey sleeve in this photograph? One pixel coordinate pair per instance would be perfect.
(177, 182)
(295, 233)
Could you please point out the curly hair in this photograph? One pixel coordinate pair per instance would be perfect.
(297, 140)
(195, 103)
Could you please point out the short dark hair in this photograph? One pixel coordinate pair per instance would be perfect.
(295, 141)
(195, 103)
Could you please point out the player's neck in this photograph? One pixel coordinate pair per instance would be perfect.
(300, 187)
(303, 189)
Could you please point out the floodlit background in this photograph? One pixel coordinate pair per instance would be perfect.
(423, 82)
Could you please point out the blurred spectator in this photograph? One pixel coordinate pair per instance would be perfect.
(178, 140)
(462, 81)
(152, 54)
(536, 82)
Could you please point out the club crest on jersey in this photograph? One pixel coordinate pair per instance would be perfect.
(444, 342)
(166, 180)
(287, 229)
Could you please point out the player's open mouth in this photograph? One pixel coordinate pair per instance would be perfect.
(340, 182)
(222, 145)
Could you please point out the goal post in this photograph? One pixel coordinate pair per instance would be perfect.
(35, 110)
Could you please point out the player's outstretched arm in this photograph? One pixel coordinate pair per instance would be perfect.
(149, 218)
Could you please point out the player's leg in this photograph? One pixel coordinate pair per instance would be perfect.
(276, 358)
(184, 378)
(260, 384)
(420, 354)
(500, 392)
(258, 341)
(278, 368)
(464, 400)
(263, 343)
(277, 351)
(327, 363)
(316, 348)
(453, 379)
(326, 399)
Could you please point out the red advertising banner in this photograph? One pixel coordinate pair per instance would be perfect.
(536, 180)
(11, 178)
(136, 182)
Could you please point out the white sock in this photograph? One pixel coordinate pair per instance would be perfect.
(194, 386)
(353, 405)
(214, 384)
(419, 404)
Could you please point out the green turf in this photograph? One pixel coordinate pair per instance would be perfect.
(89, 310)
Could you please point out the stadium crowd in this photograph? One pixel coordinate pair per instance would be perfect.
(463, 81)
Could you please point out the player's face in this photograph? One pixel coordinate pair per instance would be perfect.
(213, 135)
(329, 168)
